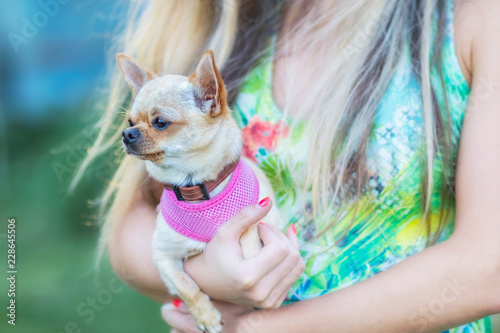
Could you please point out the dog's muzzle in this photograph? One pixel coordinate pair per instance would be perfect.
(131, 135)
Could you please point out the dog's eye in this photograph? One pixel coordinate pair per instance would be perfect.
(130, 123)
(160, 124)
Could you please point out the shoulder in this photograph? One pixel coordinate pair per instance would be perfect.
(476, 29)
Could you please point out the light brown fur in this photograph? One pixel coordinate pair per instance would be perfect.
(200, 140)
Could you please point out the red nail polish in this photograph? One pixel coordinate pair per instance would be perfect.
(293, 229)
(177, 303)
(264, 202)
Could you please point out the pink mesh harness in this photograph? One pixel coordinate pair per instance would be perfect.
(200, 221)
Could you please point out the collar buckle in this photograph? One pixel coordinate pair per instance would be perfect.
(202, 187)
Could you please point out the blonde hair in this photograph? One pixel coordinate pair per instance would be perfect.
(346, 90)
(343, 92)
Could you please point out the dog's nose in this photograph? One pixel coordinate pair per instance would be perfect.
(130, 135)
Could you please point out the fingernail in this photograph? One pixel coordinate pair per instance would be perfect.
(293, 229)
(262, 223)
(264, 202)
(177, 303)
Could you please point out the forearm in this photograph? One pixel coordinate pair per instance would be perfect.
(442, 287)
(131, 254)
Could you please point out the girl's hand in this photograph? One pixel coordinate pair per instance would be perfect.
(178, 317)
(262, 281)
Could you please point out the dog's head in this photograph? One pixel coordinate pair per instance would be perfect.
(173, 116)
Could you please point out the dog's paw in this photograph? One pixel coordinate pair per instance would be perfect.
(207, 318)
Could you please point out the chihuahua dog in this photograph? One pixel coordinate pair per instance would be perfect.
(183, 129)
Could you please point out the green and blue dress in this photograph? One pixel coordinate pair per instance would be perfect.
(388, 226)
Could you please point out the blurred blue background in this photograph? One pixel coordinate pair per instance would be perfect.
(53, 54)
(52, 70)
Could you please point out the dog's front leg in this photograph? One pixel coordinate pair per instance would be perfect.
(206, 315)
(250, 242)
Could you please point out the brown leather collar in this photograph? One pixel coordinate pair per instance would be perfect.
(201, 191)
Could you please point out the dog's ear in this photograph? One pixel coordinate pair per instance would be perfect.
(209, 87)
(134, 72)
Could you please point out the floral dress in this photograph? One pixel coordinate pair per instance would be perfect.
(388, 226)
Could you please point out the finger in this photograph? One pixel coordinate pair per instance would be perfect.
(280, 234)
(180, 306)
(178, 320)
(291, 234)
(270, 256)
(282, 288)
(243, 220)
(278, 281)
(280, 300)
(270, 234)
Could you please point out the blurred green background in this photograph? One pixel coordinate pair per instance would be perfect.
(52, 71)
(52, 66)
